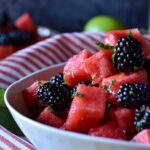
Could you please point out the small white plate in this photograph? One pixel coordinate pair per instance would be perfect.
(49, 138)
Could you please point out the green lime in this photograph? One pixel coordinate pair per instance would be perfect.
(103, 24)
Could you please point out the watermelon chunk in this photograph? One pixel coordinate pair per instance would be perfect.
(108, 130)
(113, 36)
(148, 57)
(99, 65)
(142, 137)
(74, 70)
(135, 77)
(6, 51)
(25, 22)
(88, 111)
(47, 117)
(124, 118)
(30, 95)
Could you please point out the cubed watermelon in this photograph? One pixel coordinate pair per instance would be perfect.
(49, 118)
(148, 57)
(6, 51)
(25, 22)
(113, 36)
(99, 65)
(109, 130)
(86, 111)
(74, 70)
(124, 118)
(142, 137)
(30, 95)
(135, 77)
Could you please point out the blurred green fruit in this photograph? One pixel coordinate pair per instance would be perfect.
(102, 24)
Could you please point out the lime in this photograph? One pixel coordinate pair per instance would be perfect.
(102, 24)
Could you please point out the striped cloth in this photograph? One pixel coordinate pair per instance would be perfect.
(9, 141)
(51, 51)
(43, 54)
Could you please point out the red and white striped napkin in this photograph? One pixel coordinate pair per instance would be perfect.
(43, 54)
(46, 53)
(9, 141)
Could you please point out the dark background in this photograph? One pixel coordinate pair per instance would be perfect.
(71, 15)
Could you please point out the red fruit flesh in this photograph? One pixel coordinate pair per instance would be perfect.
(148, 57)
(142, 137)
(108, 130)
(30, 95)
(113, 36)
(124, 118)
(135, 77)
(25, 22)
(74, 70)
(47, 117)
(6, 51)
(88, 111)
(99, 65)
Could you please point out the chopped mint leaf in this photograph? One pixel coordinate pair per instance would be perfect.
(42, 83)
(78, 94)
(108, 88)
(52, 110)
(133, 140)
(130, 34)
(113, 59)
(112, 82)
(103, 46)
(94, 77)
(138, 126)
(138, 67)
(132, 93)
(114, 50)
(2, 102)
(64, 79)
(105, 87)
(8, 122)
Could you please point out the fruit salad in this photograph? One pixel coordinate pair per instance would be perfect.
(106, 94)
(17, 35)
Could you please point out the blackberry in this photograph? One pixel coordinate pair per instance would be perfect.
(128, 55)
(133, 95)
(19, 37)
(142, 118)
(4, 40)
(53, 95)
(58, 80)
(4, 19)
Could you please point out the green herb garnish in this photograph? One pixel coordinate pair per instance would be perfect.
(78, 94)
(108, 88)
(130, 34)
(104, 46)
(52, 110)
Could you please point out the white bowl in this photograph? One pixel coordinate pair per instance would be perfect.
(45, 137)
